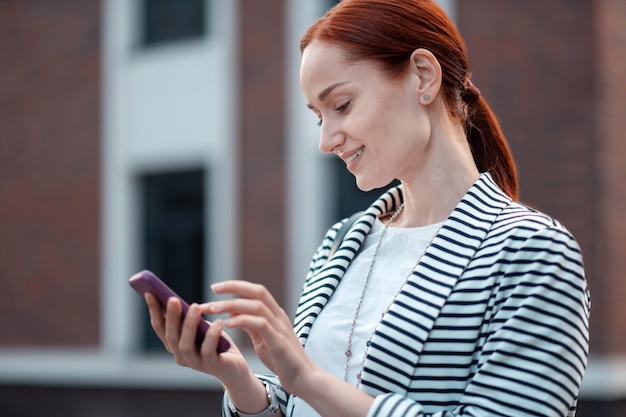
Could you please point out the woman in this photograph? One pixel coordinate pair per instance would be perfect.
(446, 297)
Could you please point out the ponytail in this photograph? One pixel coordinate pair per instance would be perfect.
(487, 142)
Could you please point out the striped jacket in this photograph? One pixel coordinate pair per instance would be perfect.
(492, 322)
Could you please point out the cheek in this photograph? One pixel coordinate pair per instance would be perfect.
(369, 124)
(406, 142)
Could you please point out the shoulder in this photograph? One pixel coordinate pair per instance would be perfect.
(530, 249)
(519, 222)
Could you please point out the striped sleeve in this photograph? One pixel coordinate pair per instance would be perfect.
(535, 339)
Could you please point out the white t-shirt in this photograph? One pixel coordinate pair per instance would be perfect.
(328, 338)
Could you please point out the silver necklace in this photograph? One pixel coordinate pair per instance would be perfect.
(348, 352)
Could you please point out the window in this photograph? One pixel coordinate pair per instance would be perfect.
(173, 236)
(348, 198)
(173, 20)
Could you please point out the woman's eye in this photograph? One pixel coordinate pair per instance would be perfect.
(343, 107)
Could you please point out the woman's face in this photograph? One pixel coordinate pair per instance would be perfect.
(374, 123)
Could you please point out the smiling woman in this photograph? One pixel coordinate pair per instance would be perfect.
(374, 122)
(446, 297)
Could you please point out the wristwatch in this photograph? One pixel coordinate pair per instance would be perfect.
(270, 411)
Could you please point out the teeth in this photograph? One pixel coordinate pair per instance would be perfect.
(353, 157)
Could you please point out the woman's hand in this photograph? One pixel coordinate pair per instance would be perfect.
(178, 337)
(269, 327)
(276, 344)
(230, 367)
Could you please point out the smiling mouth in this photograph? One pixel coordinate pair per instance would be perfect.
(355, 155)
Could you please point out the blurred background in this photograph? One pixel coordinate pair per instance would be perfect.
(172, 135)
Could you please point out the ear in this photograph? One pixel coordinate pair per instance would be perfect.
(428, 70)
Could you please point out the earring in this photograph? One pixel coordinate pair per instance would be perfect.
(426, 97)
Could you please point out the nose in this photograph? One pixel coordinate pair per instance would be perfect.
(330, 139)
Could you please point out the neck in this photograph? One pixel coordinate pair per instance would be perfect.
(431, 194)
(442, 199)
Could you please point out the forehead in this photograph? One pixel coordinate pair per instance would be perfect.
(324, 64)
(320, 57)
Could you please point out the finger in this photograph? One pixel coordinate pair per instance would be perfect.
(213, 332)
(172, 323)
(278, 318)
(261, 333)
(157, 321)
(209, 345)
(249, 323)
(237, 306)
(187, 341)
(249, 290)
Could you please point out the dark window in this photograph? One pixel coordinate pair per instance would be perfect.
(348, 198)
(173, 235)
(173, 20)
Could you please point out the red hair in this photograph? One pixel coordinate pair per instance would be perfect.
(388, 31)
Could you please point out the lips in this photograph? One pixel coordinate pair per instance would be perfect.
(355, 155)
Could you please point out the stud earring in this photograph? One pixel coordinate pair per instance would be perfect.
(426, 97)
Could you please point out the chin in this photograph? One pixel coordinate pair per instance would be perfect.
(365, 185)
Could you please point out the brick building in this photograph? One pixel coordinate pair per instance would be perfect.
(128, 141)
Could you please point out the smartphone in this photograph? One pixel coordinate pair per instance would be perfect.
(146, 281)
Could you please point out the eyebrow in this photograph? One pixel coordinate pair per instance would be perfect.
(322, 96)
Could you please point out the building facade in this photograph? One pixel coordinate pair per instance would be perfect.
(173, 136)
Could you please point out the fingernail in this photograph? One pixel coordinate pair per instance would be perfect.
(217, 286)
(216, 307)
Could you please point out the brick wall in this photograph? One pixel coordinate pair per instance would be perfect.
(49, 172)
(262, 145)
(610, 116)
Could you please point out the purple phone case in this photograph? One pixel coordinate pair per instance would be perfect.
(146, 281)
